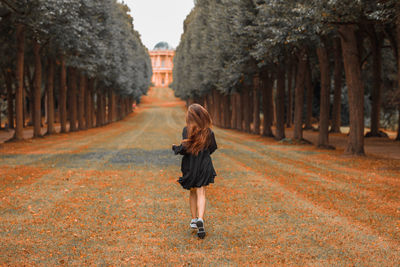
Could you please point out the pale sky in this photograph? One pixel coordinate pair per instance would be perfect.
(159, 20)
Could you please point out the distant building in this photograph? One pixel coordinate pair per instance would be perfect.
(162, 61)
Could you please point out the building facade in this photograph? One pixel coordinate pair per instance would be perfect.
(162, 62)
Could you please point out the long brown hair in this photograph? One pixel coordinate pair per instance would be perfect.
(198, 123)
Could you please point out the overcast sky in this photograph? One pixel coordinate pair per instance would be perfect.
(159, 20)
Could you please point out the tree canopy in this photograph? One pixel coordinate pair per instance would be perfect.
(96, 37)
(226, 43)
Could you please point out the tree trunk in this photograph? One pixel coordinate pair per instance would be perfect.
(127, 106)
(376, 46)
(337, 100)
(63, 96)
(323, 137)
(219, 109)
(117, 107)
(251, 108)
(256, 104)
(217, 106)
(398, 64)
(104, 107)
(98, 108)
(101, 108)
(398, 123)
(121, 103)
(110, 105)
(72, 99)
(37, 92)
(114, 106)
(92, 103)
(18, 134)
(267, 84)
(234, 111)
(280, 103)
(355, 87)
(10, 101)
(290, 71)
(299, 96)
(30, 88)
(239, 111)
(50, 98)
(87, 104)
(123, 108)
(310, 97)
(81, 101)
(207, 103)
(295, 70)
(24, 107)
(44, 104)
(214, 107)
(131, 103)
(227, 112)
(246, 108)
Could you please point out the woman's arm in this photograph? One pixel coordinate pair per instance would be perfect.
(213, 145)
(181, 148)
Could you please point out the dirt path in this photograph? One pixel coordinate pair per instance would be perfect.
(109, 196)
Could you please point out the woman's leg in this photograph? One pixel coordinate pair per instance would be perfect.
(201, 201)
(193, 203)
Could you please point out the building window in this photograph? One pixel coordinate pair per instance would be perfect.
(163, 63)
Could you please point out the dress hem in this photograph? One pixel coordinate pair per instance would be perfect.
(208, 183)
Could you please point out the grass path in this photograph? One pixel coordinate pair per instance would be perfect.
(109, 196)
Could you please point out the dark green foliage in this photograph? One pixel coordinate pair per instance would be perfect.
(226, 42)
(96, 37)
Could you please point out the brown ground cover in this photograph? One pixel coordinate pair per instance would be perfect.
(109, 196)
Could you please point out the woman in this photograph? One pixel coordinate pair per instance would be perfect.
(197, 168)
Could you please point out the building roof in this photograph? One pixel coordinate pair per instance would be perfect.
(163, 46)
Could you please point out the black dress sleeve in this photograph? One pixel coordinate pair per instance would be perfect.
(213, 144)
(180, 149)
(184, 133)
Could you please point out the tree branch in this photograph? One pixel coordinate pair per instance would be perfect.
(11, 7)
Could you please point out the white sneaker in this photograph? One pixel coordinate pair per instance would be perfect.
(193, 224)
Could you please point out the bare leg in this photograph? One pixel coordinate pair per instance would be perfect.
(193, 203)
(201, 201)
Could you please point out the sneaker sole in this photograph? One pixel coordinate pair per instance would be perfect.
(201, 232)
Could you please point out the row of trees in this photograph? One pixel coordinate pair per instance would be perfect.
(244, 58)
(80, 59)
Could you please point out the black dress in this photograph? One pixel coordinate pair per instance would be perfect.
(197, 171)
